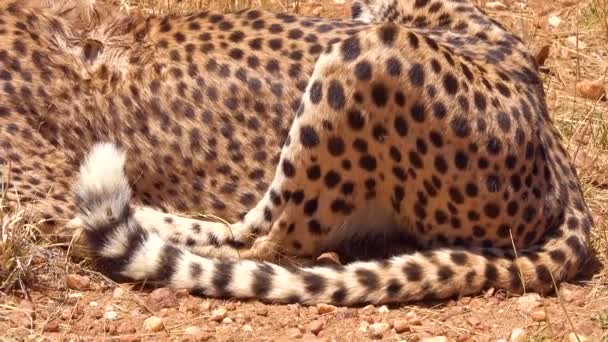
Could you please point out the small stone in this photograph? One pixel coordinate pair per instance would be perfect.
(77, 282)
(111, 315)
(518, 335)
(554, 21)
(383, 309)
(316, 326)
(23, 315)
(496, 6)
(126, 328)
(593, 90)
(247, 328)
(93, 304)
(325, 308)
(293, 333)
(262, 312)
(435, 339)
(218, 314)
(118, 293)
(572, 337)
(377, 330)
(162, 298)
(193, 331)
(538, 315)
(413, 318)
(528, 302)
(227, 320)
(52, 326)
(153, 324)
(401, 325)
(368, 309)
(363, 326)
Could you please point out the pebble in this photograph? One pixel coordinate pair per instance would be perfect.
(78, 282)
(518, 335)
(118, 293)
(528, 302)
(126, 328)
(581, 338)
(554, 21)
(401, 325)
(227, 320)
(377, 330)
(368, 309)
(218, 314)
(162, 298)
(325, 309)
(247, 328)
(593, 90)
(413, 318)
(538, 315)
(153, 324)
(192, 330)
(23, 315)
(435, 339)
(111, 315)
(383, 309)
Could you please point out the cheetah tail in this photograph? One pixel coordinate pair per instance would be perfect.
(124, 250)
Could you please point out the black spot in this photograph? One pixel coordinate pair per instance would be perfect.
(401, 126)
(355, 119)
(543, 274)
(393, 66)
(335, 95)
(491, 210)
(460, 126)
(332, 179)
(367, 279)
(316, 92)
(450, 84)
(262, 280)
(379, 95)
(308, 136)
(222, 277)
(350, 49)
(387, 33)
(459, 258)
(368, 163)
(417, 112)
(445, 273)
(310, 207)
(416, 75)
(412, 271)
(491, 273)
(314, 283)
(363, 71)
(393, 288)
(288, 169)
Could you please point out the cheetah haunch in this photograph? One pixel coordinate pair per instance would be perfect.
(421, 119)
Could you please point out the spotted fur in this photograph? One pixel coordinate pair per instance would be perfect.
(422, 120)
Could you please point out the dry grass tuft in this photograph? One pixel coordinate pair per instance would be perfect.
(19, 238)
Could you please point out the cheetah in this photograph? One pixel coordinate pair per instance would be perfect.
(422, 121)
